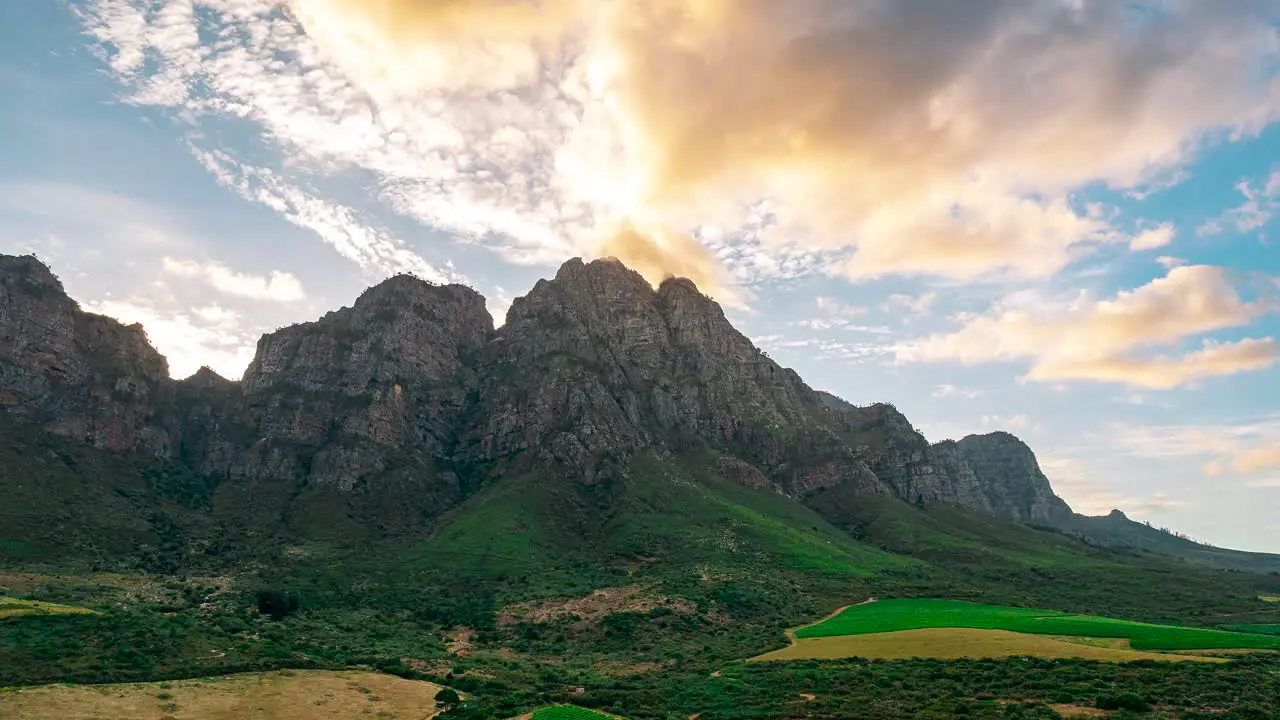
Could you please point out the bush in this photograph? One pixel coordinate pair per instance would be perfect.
(276, 604)
(1126, 701)
(447, 697)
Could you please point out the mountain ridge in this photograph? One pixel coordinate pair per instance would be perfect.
(411, 389)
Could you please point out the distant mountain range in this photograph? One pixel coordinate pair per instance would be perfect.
(409, 415)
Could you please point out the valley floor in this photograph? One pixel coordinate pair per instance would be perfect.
(282, 695)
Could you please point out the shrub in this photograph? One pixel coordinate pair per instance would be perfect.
(1125, 701)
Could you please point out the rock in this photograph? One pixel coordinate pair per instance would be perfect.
(1011, 479)
(76, 373)
(411, 390)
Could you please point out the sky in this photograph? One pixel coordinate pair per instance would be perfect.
(1052, 217)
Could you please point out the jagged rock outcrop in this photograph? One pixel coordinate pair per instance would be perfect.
(596, 365)
(1011, 479)
(76, 373)
(386, 376)
(411, 386)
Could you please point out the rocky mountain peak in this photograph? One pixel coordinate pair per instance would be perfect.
(592, 367)
(1011, 477)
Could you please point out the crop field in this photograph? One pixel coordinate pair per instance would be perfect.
(913, 614)
(284, 695)
(13, 607)
(570, 712)
(956, 643)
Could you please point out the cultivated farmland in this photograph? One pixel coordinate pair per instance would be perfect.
(284, 695)
(913, 614)
(956, 643)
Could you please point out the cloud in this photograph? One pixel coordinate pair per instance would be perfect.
(873, 138)
(1096, 340)
(191, 338)
(1255, 212)
(372, 249)
(661, 255)
(1007, 422)
(913, 304)
(276, 287)
(1168, 261)
(1153, 238)
(952, 391)
(1240, 448)
(1078, 484)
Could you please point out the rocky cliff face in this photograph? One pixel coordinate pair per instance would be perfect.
(76, 373)
(412, 382)
(1010, 478)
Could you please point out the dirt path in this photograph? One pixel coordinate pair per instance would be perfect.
(791, 632)
(808, 696)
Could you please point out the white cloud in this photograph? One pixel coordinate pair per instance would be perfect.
(1097, 340)
(1153, 238)
(276, 287)
(1245, 448)
(1076, 482)
(1260, 204)
(188, 338)
(534, 137)
(952, 391)
(371, 249)
(914, 304)
(1010, 423)
(1168, 261)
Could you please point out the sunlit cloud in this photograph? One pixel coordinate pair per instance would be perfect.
(1105, 339)
(873, 139)
(277, 287)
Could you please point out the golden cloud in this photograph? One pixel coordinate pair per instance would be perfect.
(942, 138)
(1097, 340)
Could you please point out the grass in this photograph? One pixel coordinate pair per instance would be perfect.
(285, 695)
(13, 607)
(912, 614)
(570, 712)
(1269, 598)
(955, 643)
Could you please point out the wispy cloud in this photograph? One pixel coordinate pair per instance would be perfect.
(1090, 493)
(189, 338)
(276, 287)
(952, 391)
(1260, 204)
(1246, 448)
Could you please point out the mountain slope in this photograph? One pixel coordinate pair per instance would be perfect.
(407, 415)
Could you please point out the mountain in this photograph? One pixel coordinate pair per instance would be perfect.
(408, 414)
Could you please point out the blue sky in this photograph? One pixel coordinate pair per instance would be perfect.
(1048, 217)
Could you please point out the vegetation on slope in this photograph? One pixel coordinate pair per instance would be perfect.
(15, 607)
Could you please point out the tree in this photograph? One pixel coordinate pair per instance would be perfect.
(276, 604)
(447, 697)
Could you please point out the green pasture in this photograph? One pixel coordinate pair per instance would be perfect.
(570, 712)
(911, 614)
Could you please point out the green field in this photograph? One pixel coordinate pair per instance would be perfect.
(911, 614)
(570, 712)
(13, 607)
